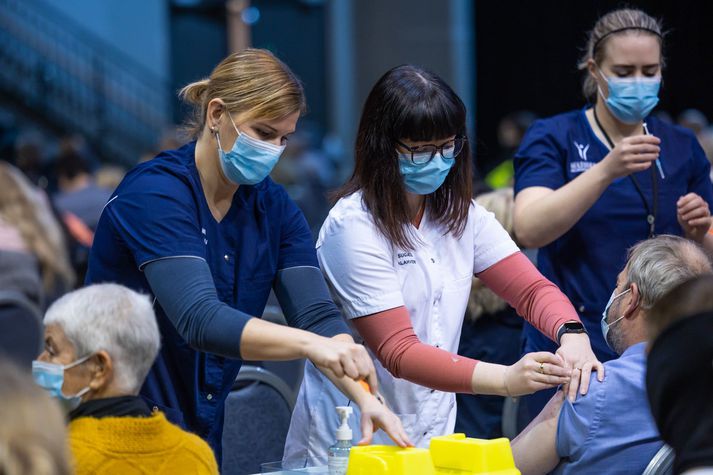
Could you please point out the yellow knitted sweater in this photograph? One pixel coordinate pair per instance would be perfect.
(137, 445)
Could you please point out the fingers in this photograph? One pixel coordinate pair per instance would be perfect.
(547, 357)
(573, 385)
(700, 222)
(553, 370)
(373, 382)
(599, 368)
(396, 432)
(367, 430)
(640, 149)
(550, 379)
(586, 371)
(642, 139)
(350, 368)
(686, 199)
(695, 209)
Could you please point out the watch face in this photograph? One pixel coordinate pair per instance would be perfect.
(573, 326)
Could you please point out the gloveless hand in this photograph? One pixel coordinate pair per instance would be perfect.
(576, 351)
(534, 372)
(631, 155)
(343, 358)
(694, 216)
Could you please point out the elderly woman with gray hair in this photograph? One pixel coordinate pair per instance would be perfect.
(100, 342)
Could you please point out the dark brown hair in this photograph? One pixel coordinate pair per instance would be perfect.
(409, 103)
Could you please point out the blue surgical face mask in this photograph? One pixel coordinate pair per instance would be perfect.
(424, 179)
(250, 160)
(50, 376)
(605, 325)
(631, 99)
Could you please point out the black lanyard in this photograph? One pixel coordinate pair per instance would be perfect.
(651, 210)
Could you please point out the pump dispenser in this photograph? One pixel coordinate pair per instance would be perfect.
(339, 452)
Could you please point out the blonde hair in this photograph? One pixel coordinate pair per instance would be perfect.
(615, 23)
(42, 238)
(253, 83)
(33, 438)
(483, 301)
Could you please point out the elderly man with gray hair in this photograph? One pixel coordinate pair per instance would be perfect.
(610, 429)
(100, 342)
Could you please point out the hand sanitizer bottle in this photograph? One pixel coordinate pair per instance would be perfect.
(339, 452)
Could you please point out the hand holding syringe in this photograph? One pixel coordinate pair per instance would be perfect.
(658, 160)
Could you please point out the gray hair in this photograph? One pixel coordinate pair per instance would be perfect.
(115, 319)
(618, 22)
(658, 265)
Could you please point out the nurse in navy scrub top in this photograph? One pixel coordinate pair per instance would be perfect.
(592, 182)
(205, 231)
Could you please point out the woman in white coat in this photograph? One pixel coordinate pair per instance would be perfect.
(400, 248)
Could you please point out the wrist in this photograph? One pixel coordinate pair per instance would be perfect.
(306, 343)
(576, 338)
(505, 373)
(365, 399)
(601, 169)
(570, 327)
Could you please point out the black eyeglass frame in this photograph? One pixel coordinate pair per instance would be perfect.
(436, 148)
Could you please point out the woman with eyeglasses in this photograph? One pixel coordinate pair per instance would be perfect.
(400, 249)
(590, 183)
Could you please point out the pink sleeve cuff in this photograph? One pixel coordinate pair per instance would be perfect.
(534, 297)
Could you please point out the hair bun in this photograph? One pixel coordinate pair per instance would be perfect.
(195, 92)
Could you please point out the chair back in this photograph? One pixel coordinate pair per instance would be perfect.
(257, 418)
(662, 463)
(21, 331)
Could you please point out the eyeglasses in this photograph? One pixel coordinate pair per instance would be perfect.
(423, 154)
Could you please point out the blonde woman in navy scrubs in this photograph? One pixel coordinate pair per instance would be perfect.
(208, 233)
(592, 182)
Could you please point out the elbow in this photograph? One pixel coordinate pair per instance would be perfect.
(192, 339)
(527, 236)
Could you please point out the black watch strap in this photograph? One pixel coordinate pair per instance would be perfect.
(570, 327)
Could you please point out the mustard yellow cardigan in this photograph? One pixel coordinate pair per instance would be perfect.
(137, 445)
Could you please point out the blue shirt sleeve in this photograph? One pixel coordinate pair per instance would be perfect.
(700, 181)
(539, 161)
(296, 245)
(155, 215)
(580, 420)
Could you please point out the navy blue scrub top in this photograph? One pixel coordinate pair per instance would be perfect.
(159, 210)
(585, 261)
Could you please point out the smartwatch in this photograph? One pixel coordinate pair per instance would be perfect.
(570, 327)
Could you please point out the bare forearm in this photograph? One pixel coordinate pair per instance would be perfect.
(707, 241)
(535, 449)
(263, 340)
(489, 378)
(544, 219)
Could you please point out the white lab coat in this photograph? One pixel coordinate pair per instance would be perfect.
(369, 275)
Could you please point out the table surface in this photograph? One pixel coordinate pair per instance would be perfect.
(314, 470)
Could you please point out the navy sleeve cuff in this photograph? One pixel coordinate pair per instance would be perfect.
(305, 300)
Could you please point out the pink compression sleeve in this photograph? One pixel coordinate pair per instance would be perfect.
(517, 281)
(391, 337)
